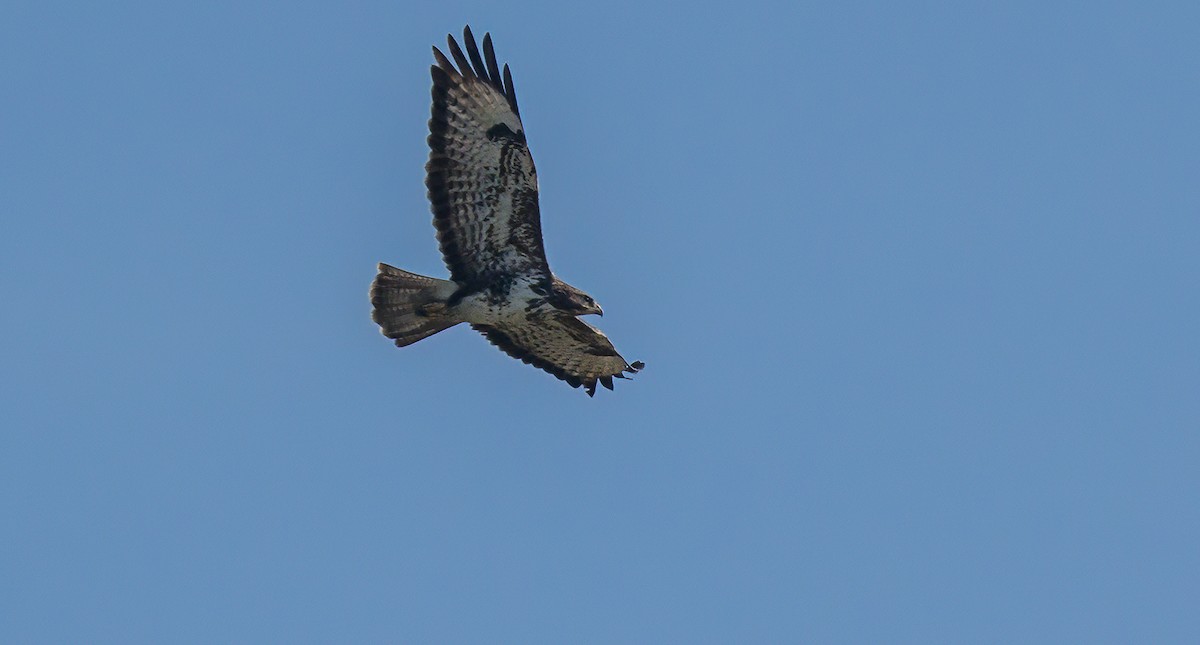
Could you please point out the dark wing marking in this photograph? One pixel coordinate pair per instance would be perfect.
(481, 178)
(568, 348)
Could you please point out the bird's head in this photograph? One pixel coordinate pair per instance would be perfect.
(573, 301)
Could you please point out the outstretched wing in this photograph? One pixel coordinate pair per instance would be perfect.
(481, 179)
(568, 348)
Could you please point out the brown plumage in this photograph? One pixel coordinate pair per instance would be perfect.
(484, 194)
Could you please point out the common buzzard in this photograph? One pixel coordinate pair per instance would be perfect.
(484, 193)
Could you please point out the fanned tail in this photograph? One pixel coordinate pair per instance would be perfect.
(409, 307)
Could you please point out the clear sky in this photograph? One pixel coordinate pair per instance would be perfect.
(916, 285)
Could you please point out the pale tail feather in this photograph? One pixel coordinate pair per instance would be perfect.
(407, 305)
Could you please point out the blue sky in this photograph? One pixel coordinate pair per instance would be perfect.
(915, 284)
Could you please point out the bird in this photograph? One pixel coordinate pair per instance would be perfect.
(483, 191)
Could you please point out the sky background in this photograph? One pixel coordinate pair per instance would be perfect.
(916, 285)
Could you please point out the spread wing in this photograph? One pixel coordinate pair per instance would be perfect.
(481, 179)
(567, 347)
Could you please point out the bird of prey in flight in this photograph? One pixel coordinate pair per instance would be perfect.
(484, 193)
